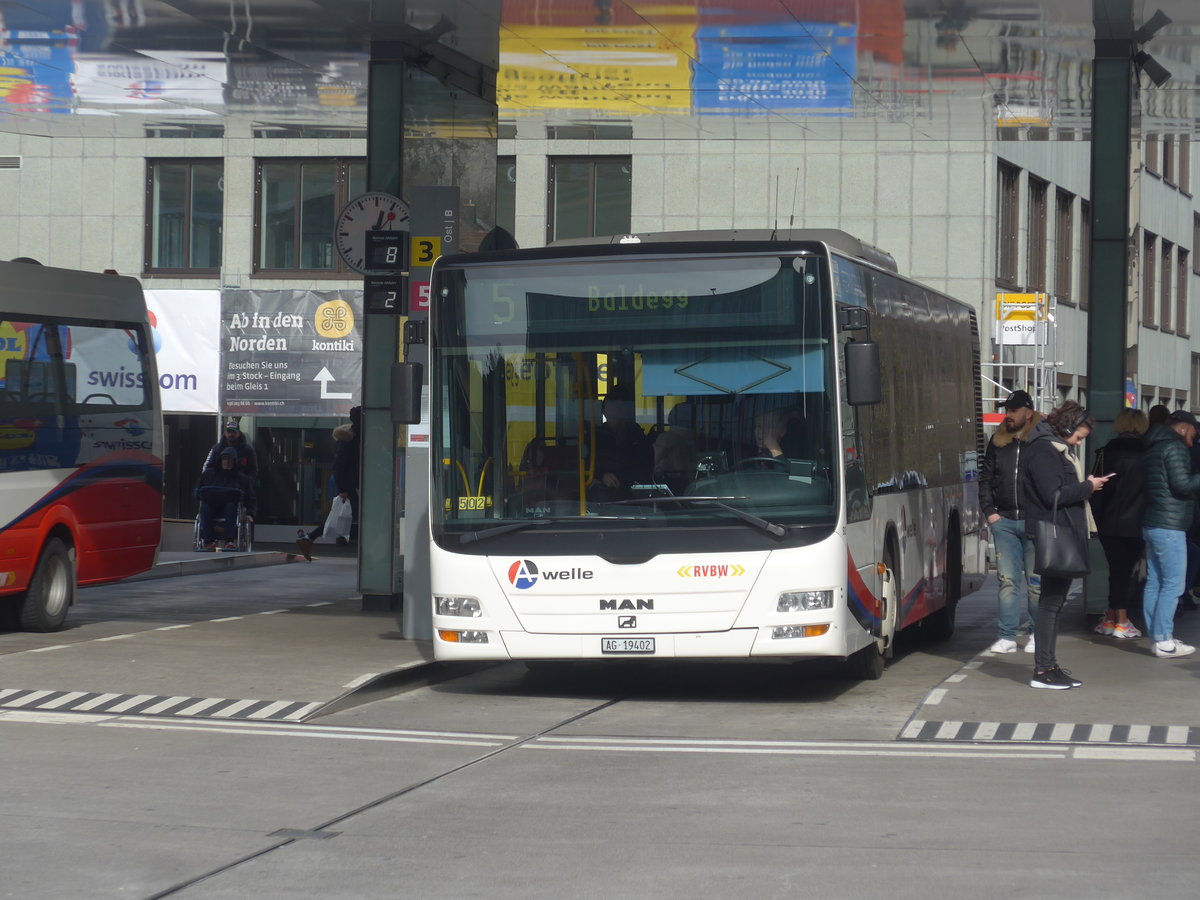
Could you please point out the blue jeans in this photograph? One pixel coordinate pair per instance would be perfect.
(1166, 566)
(1014, 559)
(209, 512)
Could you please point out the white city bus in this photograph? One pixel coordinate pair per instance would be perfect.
(80, 439)
(859, 518)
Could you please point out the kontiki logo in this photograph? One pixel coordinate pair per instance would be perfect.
(523, 574)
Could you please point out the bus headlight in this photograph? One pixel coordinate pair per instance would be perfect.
(457, 606)
(803, 601)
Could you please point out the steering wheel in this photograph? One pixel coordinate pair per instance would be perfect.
(777, 463)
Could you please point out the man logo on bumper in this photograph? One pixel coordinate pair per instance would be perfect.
(627, 621)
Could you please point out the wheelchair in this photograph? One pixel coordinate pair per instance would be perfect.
(240, 533)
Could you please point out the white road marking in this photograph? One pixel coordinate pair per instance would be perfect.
(1062, 732)
(360, 680)
(227, 619)
(1100, 734)
(130, 703)
(45, 649)
(935, 697)
(986, 731)
(163, 705)
(174, 627)
(1024, 731)
(113, 637)
(1139, 734)
(957, 677)
(95, 701)
(63, 700)
(1146, 754)
(1177, 734)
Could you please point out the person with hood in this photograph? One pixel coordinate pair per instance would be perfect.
(1054, 490)
(1118, 513)
(1170, 504)
(247, 462)
(345, 479)
(1005, 512)
(221, 490)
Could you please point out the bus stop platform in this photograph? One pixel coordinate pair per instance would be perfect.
(1128, 697)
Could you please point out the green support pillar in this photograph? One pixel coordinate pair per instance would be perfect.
(1112, 81)
(379, 565)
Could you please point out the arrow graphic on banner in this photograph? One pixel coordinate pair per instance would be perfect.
(325, 376)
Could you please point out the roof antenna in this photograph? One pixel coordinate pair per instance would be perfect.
(795, 185)
(775, 230)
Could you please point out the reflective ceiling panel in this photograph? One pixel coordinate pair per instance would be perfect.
(705, 69)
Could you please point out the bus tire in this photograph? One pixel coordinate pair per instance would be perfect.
(51, 590)
(940, 625)
(868, 663)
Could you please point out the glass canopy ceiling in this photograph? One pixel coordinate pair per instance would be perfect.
(701, 69)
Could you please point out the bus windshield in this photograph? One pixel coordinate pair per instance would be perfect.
(637, 392)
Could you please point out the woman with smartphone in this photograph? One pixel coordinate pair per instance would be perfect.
(1055, 490)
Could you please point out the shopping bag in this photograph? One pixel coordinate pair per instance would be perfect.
(1058, 551)
(337, 523)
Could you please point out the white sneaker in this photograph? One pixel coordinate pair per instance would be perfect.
(1004, 645)
(1029, 648)
(1172, 649)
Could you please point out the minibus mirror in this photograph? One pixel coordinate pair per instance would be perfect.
(406, 393)
(863, 387)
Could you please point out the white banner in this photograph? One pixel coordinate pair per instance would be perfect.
(186, 328)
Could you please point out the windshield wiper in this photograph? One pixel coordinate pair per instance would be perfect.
(470, 537)
(769, 527)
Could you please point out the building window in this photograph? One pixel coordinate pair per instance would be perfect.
(1063, 245)
(1182, 325)
(295, 204)
(1168, 159)
(1196, 243)
(1035, 258)
(1166, 298)
(183, 216)
(1195, 381)
(1085, 253)
(1007, 203)
(1150, 153)
(506, 193)
(1185, 163)
(1148, 280)
(589, 196)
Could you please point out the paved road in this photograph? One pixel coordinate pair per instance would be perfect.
(646, 780)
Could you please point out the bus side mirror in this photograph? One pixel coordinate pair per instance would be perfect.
(406, 393)
(863, 378)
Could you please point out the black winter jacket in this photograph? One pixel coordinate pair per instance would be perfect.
(1118, 509)
(1046, 471)
(247, 462)
(998, 475)
(222, 485)
(1170, 485)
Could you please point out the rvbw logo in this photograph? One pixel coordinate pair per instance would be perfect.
(523, 574)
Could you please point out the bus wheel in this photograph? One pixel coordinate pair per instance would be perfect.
(867, 664)
(51, 590)
(940, 626)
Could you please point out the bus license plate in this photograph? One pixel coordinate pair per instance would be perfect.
(626, 645)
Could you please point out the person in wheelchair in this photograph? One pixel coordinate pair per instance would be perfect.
(222, 490)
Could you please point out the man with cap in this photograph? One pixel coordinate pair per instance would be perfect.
(1171, 490)
(247, 463)
(1000, 500)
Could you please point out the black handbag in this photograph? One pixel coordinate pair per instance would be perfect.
(1059, 552)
